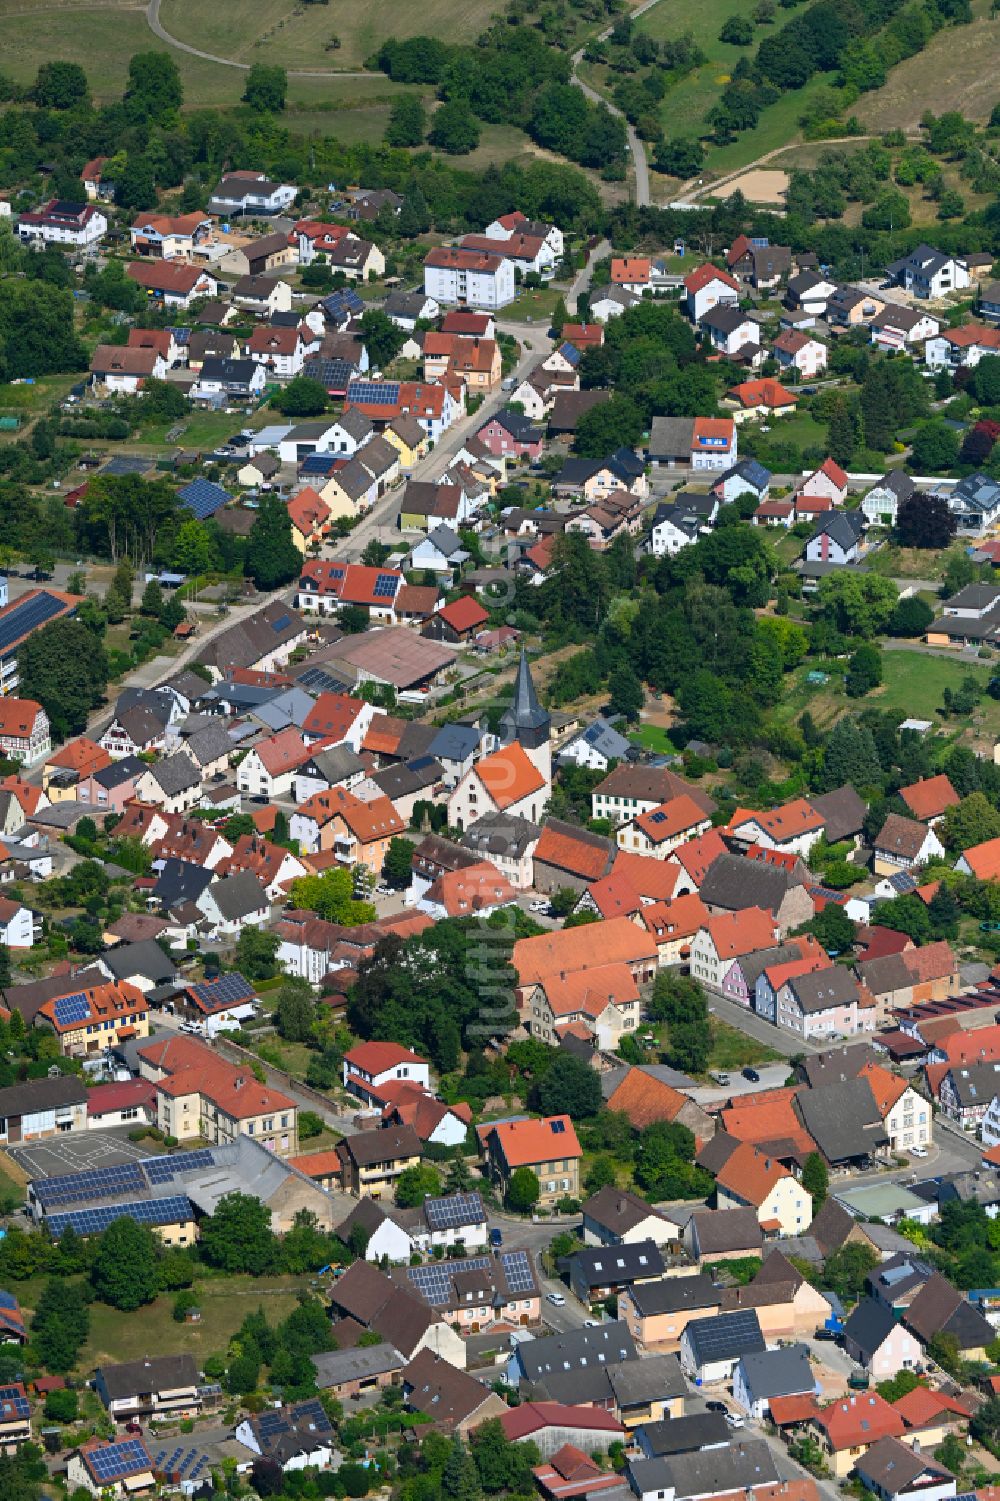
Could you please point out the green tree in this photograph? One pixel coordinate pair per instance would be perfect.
(382, 338)
(272, 559)
(737, 31)
(295, 1010)
(460, 1478)
(612, 424)
(62, 1406)
(935, 448)
(816, 1180)
(504, 1466)
(864, 670)
(857, 605)
(238, 1236)
(398, 867)
(331, 896)
(124, 1271)
(414, 1184)
(266, 88)
(193, 551)
(898, 1386)
(153, 93)
(601, 1173)
(627, 696)
(60, 85)
(60, 1325)
(302, 397)
(844, 1271)
(911, 617)
(689, 1046)
(454, 128)
(841, 439)
(568, 1087)
(151, 603)
(971, 821)
(832, 928)
(522, 1191)
(256, 952)
(407, 124)
(64, 666)
(850, 757)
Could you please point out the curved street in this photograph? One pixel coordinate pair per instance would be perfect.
(159, 30)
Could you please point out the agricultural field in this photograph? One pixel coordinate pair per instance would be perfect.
(298, 36)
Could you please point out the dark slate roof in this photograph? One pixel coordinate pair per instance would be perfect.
(239, 895)
(636, 1382)
(778, 1373)
(735, 883)
(727, 1336)
(842, 527)
(824, 988)
(675, 1294)
(727, 1230)
(499, 834)
(610, 1266)
(41, 1094)
(701, 1430)
(576, 1349)
(710, 1472)
(145, 958)
(843, 1120)
(868, 1326)
(843, 810)
(155, 1373)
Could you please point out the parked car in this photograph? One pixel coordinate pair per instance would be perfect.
(538, 906)
(734, 1420)
(752, 1075)
(716, 1406)
(823, 1333)
(496, 1237)
(918, 1151)
(556, 1299)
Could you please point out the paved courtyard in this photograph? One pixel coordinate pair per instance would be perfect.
(75, 1152)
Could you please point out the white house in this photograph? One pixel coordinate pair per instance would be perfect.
(268, 769)
(24, 730)
(294, 1437)
(673, 528)
(17, 924)
(706, 287)
(62, 223)
(795, 350)
(518, 223)
(772, 1373)
(927, 272)
(896, 328)
(250, 193)
(369, 1065)
(881, 504)
(963, 347)
(123, 370)
(468, 278)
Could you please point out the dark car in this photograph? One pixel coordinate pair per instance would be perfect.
(752, 1075)
(496, 1237)
(825, 1334)
(716, 1406)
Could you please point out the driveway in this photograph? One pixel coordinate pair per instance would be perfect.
(772, 1076)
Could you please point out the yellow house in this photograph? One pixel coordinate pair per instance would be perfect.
(89, 1021)
(408, 437)
(310, 518)
(750, 1179)
(373, 1160)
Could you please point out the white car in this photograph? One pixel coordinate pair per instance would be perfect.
(918, 1151)
(538, 906)
(556, 1299)
(734, 1420)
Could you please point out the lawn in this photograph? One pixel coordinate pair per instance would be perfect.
(533, 306)
(297, 35)
(800, 429)
(732, 1049)
(224, 1304)
(653, 737)
(25, 400)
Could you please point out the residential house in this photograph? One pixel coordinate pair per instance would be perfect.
(469, 278)
(371, 1161)
(713, 443)
(117, 1469)
(761, 1377)
(268, 768)
(705, 288)
(876, 1341)
(904, 844)
(549, 1147)
(895, 1471)
(732, 332)
(751, 1179)
(175, 286)
(926, 272)
(847, 1428)
(881, 505)
(447, 1396)
(837, 538)
(713, 1235)
(162, 1386)
(799, 352)
(711, 1349)
(726, 937)
(898, 328)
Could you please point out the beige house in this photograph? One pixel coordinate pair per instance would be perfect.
(750, 1178)
(373, 1160)
(549, 1147)
(657, 1313)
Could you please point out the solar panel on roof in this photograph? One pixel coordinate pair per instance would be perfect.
(518, 1272)
(163, 1169)
(71, 1008)
(226, 990)
(27, 616)
(95, 1183)
(203, 498)
(282, 623)
(13, 1398)
(454, 1210)
(7, 1300)
(114, 1461)
(385, 585)
(173, 1210)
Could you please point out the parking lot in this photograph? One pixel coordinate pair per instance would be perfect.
(74, 1152)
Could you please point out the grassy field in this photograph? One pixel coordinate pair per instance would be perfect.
(913, 687)
(533, 306)
(652, 737)
(297, 35)
(957, 70)
(224, 1304)
(732, 1049)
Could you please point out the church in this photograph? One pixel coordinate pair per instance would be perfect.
(517, 778)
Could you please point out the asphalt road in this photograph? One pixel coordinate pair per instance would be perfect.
(636, 147)
(382, 522)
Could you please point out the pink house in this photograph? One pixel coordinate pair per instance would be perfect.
(511, 435)
(829, 480)
(108, 790)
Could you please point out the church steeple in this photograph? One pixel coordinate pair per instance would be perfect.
(525, 720)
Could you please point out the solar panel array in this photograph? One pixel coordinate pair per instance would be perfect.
(434, 1282)
(114, 1461)
(226, 990)
(319, 681)
(71, 1008)
(174, 1210)
(454, 1210)
(13, 1402)
(164, 1169)
(188, 1464)
(27, 617)
(7, 1300)
(373, 392)
(385, 585)
(97, 1183)
(281, 624)
(203, 498)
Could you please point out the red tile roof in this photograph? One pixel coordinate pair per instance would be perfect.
(464, 614)
(578, 857)
(509, 775)
(703, 276)
(929, 797)
(858, 1421)
(375, 1057)
(527, 1142)
(738, 933)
